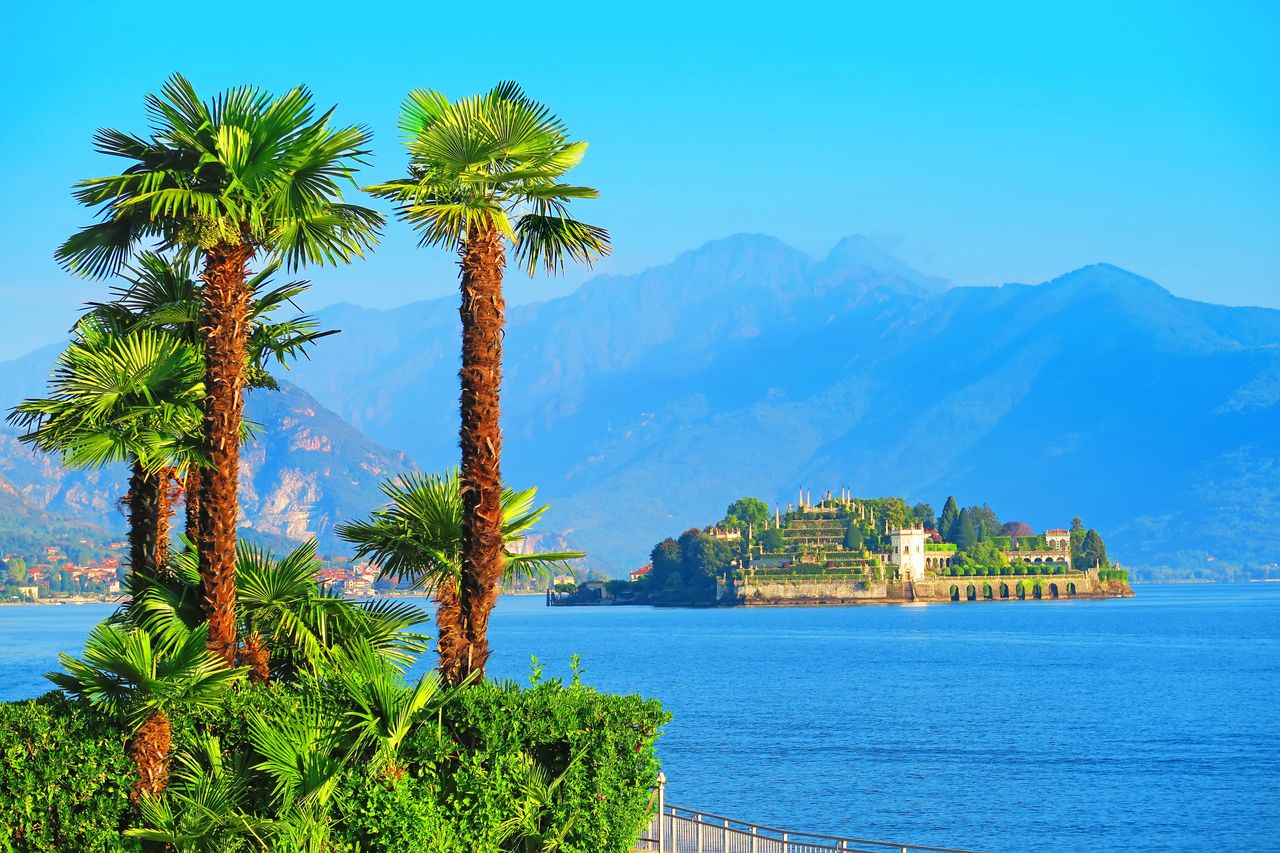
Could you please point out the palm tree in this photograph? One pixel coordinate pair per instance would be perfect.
(233, 177)
(163, 292)
(143, 679)
(418, 537)
(292, 624)
(117, 395)
(486, 172)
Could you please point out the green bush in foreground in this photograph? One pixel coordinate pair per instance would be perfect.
(64, 777)
(489, 767)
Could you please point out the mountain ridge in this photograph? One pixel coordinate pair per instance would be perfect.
(643, 403)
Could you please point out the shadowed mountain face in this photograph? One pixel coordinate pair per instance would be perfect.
(643, 404)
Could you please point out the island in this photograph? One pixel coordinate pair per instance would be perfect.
(843, 550)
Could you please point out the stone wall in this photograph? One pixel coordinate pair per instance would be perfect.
(765, 591)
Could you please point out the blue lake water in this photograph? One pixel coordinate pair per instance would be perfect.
(1149, 724)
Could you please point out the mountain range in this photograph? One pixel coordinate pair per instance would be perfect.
(643, 404)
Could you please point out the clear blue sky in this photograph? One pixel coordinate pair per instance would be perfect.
(981, 142)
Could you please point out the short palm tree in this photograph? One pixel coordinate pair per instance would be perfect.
(418, 537)
(118, 395)
(291, 624)
(237, 176)
(163, 291)
(144, 679)
(486, 173)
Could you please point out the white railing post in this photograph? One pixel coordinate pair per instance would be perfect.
(662, 819)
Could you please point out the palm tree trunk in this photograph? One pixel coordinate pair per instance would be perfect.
(482, 312)
(225, 303)
(164, 518)
(191, 486)
(451, 640)
(145, 498)
(149, 748)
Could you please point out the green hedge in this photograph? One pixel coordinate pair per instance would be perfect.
(64, 777)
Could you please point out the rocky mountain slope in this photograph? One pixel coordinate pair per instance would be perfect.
(305, 471)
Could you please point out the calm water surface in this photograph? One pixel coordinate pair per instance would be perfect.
(1150, 724)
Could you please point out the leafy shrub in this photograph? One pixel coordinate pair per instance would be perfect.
(64, 777)
(493, 767)
(485, 740)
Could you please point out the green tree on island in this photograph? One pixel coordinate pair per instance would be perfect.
(744, 511)
(925, 516)
(966, 532)
(485, 173)
(240, 175)
(1093, 553)
(947, 521)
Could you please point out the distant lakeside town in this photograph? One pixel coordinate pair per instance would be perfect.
(82, 571)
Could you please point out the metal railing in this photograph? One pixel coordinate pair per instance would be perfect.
(679, 830)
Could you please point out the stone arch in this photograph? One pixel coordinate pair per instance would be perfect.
(1071, 588)
(1053, 590)
(970, 593)
(1020, 591)
(1037, 591)
(955, 593)
(1037, 561)
(1004, 590)
(1026, 559)
(987, 592)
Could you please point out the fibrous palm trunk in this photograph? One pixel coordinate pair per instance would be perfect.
(164, 519)
(225, 303)
(451, 641)
(149, 748)
(146, 490)
(482, 311)
(191, 486)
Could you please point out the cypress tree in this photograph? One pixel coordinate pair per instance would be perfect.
(966, 532)
(947, 521)
(1093, 552)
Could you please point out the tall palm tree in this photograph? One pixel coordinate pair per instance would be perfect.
(486, 173)
(123, 396)
(237, 176)
(163, 291)
(144, 679)
(418, 537)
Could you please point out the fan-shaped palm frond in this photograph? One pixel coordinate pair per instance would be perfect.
(279, 601)
(132, 673)
(417, 537)
(241, 167)
(493, 161)
(383, 708)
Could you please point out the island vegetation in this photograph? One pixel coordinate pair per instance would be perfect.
(860, 543)
(234, 702)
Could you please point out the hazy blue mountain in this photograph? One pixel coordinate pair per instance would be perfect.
(642, 404)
